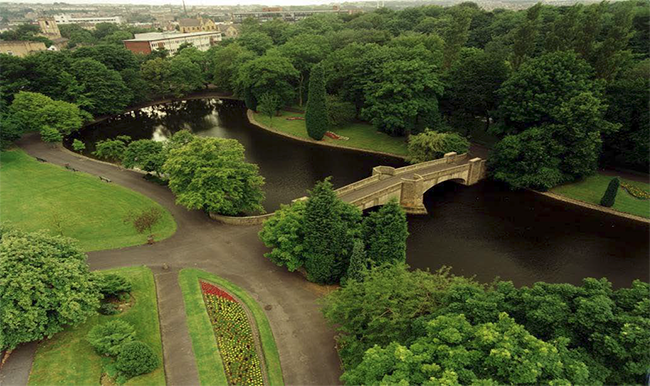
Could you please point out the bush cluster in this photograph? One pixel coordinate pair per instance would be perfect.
(431, 145)
(117, 338)
(136, 358)
(113, 285)
(108, 338)
(340, 112)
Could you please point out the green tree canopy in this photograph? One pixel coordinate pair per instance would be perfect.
(457, 352)
(316, 119)
(145, 154)
(102, 91)
(269, 73)
(384, 233)
(45, 285)
(330, 229)
(284, 234)
(211, 174)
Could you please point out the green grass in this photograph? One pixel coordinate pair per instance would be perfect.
(68, 359)
(362, 135)
(34, 193)
(204, 344)
(592, 188)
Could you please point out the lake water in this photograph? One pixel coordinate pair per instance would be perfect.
(484, 230)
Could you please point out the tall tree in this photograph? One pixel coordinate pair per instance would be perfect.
(269, 73)
(330, 228)
(384, 234)
(455, 33)
(316, 119)
(399, 110)
(473, 82)
(211, 174)
(45, 286)
(358, 262)
(304, 51)
(102, 90)
(525, 36)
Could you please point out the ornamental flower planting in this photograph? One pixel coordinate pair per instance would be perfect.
(234, 337)
(635, 191)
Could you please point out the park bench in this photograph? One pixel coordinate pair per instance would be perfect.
(104, 179)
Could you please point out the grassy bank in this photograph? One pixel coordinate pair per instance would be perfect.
(204, 344)
(591, 190)
(38, 195)
(68, 359)
(361, 135)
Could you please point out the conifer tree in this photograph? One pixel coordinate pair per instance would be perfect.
(609, 198)
(330, 229)
(384, 233)
(316, 118)
(358, 262)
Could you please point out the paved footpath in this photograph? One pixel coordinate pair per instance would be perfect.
(305, 342)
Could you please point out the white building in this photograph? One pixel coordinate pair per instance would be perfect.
(67, 19)
(148, 42)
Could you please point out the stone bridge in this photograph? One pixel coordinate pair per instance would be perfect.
(408, 184)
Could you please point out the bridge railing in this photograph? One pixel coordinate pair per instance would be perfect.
(357, 185)
(397, 186)
(448, 158)
(452, 170)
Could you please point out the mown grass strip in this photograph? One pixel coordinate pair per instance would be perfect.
(68, 359)
(206, 353)
(38, 196)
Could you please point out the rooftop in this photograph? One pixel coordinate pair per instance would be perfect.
(147, 37)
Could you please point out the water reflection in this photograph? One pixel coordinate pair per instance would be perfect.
(484, 230)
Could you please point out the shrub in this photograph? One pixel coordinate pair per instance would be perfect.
(340, 112)
(108, 338)
(77, 145)
(50, 134)
(609, 198)
(112, 285)
(108, 309)
(430, 145)
(136, 358)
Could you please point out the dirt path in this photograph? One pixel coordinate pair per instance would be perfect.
(305, 341)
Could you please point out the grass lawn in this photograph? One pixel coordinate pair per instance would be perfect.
(592, 188)
(36, 195)
(362, 135)
(68, 359)
(204, 344)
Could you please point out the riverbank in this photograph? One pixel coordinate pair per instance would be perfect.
(589, 192)
(361, 137)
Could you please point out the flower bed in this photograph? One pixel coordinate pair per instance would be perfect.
(234, 337)
(635, 192)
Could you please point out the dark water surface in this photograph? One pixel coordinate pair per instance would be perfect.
(483, 230)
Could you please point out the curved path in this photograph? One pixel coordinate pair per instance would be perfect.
(305, 341)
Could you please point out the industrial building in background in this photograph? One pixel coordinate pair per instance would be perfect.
(148, 42)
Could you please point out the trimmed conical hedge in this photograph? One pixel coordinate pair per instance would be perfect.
(316, 118)
(609, 198)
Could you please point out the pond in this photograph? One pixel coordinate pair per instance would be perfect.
(484, 230)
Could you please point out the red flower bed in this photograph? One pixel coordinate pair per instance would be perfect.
(209, 289)
(234, 337)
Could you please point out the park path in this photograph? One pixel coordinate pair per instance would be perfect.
(305, 342)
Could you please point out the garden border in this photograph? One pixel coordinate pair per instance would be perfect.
(189, 281)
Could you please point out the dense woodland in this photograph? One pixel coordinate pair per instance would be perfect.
(564, 88)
